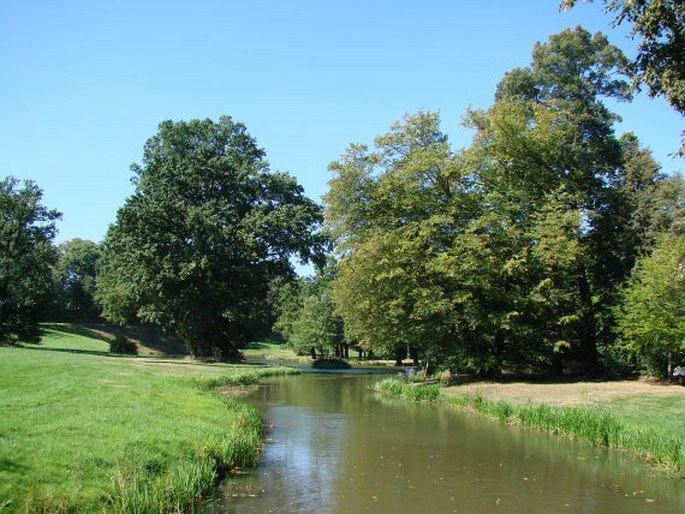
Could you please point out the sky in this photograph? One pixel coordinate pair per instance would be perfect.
(85, 83)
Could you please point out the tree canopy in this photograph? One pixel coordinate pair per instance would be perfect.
(659, 26)
(206, 231)
(27, 229)
(508, 254)
(651, 318)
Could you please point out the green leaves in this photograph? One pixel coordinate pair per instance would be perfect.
(208, 228)
(27, 229)
(652, 317)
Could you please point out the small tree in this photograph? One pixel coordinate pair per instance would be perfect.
(652, 317)
(27, 229)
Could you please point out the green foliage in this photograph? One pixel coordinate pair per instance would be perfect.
(207, 231)
(414, 392)
(509, 254)
(27, 229)
(306, 316)
(652, 316)
(331, 364)
(75, 275)
(660, 62)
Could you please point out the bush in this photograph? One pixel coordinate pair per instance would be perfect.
(331, 364)
(122, 344)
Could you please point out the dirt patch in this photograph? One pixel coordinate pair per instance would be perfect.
(566, 394)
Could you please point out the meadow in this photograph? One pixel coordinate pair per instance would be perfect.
(83, 430)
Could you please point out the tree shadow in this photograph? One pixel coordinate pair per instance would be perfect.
(74, 329)
(100, 353)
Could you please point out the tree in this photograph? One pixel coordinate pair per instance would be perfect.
(75, 275)
(651, 318)
(660, 27)
(569, 76)
(388, 212)
(206, 232)
(27, 229)
(307, 319)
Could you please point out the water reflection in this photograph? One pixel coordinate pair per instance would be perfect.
(338, 448)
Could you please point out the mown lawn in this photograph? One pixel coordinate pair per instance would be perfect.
(77, 424)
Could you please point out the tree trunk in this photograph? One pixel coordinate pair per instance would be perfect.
(587, 352)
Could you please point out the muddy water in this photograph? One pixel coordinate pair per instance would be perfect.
(336, 447)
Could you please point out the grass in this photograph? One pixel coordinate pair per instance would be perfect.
(651, 430)
(269, 351)
(84, 430)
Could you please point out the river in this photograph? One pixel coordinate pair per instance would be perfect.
(334, 446)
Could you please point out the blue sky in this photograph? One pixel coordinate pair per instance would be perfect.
(84, 84)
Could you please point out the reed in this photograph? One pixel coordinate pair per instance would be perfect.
(408, 391)
(241, 378)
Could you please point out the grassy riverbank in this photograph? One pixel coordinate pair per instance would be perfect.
(648, 425)
(84, 430)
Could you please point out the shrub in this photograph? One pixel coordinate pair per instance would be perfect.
(122, 344)
(331, 364)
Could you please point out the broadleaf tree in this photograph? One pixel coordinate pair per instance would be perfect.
(27, 254)
(651, 318)
(207, 230)
(659, 26)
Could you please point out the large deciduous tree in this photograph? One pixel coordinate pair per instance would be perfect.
(507, 255)
(27, 229)
(659, 26)
(207, 230)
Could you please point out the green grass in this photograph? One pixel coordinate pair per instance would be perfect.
(82, 430)
(652, 430)
(408, 391)
(269, 351)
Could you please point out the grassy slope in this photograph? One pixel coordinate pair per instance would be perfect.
(72, 417)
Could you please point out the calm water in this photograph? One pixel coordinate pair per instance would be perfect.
(336, 447)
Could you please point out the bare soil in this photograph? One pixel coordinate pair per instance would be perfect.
(566, 394)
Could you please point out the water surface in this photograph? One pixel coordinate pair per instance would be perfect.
(336, 447)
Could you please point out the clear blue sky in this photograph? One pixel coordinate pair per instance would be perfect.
(85, 83)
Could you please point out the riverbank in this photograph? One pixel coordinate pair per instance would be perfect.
(636, 416)
(84, 430)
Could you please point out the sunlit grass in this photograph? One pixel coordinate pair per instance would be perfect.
(83, 430)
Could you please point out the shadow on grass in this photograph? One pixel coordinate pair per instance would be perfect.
(74, 329)
(101, 353)
(537, 379)
(12, 467)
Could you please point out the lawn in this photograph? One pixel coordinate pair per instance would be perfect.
(81, 428)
